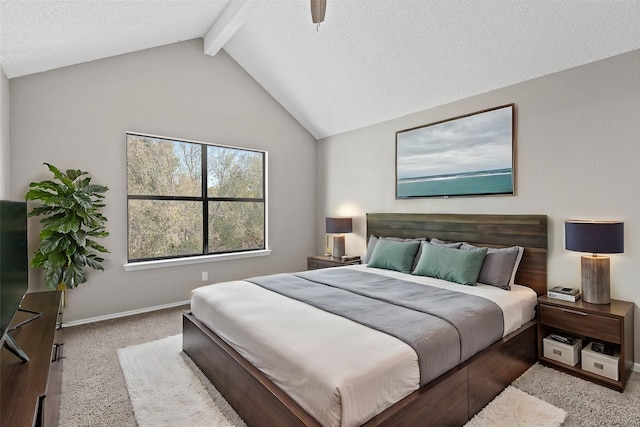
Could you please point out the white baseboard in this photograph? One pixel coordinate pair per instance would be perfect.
(636, 367)
(123, 314)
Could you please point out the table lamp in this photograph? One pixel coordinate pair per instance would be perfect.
(597, 237)
(338, 226)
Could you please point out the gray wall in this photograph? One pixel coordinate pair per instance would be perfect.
(578, 154)
(5, 159)
(76, 117)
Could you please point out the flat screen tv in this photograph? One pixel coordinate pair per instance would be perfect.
(14, 266)
(470, 155)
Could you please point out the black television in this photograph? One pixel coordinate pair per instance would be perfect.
(14, 269)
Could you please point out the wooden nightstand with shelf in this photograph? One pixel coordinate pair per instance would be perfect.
(322, 261)
(605, 323)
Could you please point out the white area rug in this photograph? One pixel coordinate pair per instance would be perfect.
(167, 389)
(515, 408)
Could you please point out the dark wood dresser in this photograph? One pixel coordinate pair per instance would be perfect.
(30, 393)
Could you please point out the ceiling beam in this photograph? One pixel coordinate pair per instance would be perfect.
(231, 18)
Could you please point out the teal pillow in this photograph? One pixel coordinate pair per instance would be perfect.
(372, 245)
(392, 255)
(453, 265)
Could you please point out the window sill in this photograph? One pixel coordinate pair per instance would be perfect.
(144, 265)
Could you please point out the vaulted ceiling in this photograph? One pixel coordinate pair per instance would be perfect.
(369, 61)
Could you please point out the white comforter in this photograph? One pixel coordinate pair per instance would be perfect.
(340, 372)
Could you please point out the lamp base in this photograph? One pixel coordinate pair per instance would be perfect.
(327, 250)
(338, 246)
(595, 279)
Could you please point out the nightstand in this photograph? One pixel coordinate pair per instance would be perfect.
(321, 261)
(605, 323)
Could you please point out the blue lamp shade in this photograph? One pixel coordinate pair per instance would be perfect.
(339, 225)
(597, 237)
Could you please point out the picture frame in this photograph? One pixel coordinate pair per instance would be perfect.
(469, 155)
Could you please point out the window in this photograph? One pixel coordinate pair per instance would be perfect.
(189, 198)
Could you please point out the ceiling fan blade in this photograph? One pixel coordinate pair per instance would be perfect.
(318, 8)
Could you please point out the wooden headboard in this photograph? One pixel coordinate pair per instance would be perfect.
(528, 231)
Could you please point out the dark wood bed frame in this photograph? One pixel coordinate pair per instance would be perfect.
(450, 400)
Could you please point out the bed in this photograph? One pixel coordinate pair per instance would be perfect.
(452, 398)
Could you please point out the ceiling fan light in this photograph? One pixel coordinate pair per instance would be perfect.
(318, 8)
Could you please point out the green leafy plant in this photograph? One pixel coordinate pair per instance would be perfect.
(71, 222)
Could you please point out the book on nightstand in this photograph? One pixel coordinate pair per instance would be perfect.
(565, 294)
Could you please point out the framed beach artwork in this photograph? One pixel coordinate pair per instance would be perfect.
(471, 155)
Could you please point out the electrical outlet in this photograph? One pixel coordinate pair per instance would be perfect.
(205, 276)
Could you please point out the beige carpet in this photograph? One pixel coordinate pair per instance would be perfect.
(587, 404)
(514, 407)
(94, 391)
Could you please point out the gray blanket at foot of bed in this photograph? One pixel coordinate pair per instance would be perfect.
(443, 327)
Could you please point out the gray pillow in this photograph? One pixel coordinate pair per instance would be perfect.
(370, 247)
(451, 264)
(500, 265)
(439, 242)
(422, 241)
(392, 255)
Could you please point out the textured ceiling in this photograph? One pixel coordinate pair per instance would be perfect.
(42, 35)
(370, 61)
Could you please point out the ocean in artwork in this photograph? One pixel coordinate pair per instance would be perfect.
(497, 181)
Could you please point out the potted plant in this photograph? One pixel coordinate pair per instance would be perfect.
(71, 222)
